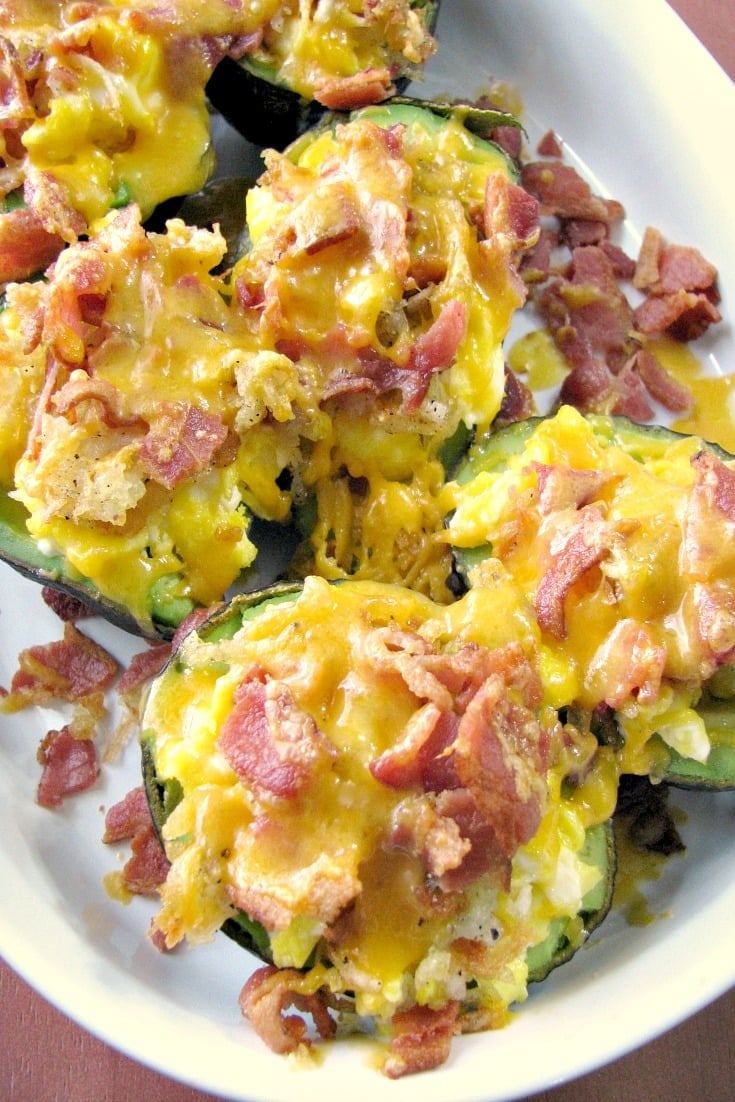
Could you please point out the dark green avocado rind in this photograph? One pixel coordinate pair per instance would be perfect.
(491, 453)
(557, 948)
(262, 108)
(164, 794)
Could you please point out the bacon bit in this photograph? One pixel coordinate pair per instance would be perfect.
(67, 608)
(715, 607)
(535, 264)
(148, 866)
(629, 663)
(576, 232)
(686, 315)
(422, 1039)
(549, 145)
(193, 622)
(661, 384)
(127, 816)
(561, 191)
(511, 215)
(647, 266)
(716, 482)
(69, 766)
(434, 350)
(575, 549)
(518, 402)
(568, 487)
(419, 827)
(26, 247)
(182, 441)
(265, 997)
(67, 669)
(143, 666)
(269, 741)
(623, 265)
(361, 90)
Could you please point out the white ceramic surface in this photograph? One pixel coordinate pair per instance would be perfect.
(638, 104)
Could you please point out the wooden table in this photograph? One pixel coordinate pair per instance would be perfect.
(44, 1057)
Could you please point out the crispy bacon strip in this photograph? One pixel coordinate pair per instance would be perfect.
(361, 90)
(265, 997)
(130, 818)
(69, 766)
(422, 1039)
(579, 546)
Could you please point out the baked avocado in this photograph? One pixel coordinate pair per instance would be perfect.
(618, 535)
(367, 790)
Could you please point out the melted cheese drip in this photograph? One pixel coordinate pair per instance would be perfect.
(222, 835)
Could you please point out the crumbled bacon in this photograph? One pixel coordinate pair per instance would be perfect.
(518, 402)
(549, 145)
(69, 766)
(268, 993)
(561, 191)
(481, 751)
(422, 1039)
(568, 487)
(68, 669)
(361, 90)
(269, 741)
(716, 481)
(181, 442)
(130, 818)
(629, 663)
(142, 667)
(577, 545)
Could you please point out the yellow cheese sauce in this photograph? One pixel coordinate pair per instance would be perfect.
(113, 115)
(233, 843)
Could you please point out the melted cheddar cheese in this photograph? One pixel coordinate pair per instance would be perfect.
(110, 112)
(295, 861)
(634, 628)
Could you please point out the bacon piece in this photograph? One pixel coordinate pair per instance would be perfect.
(578, 546)
(127, 816)
(142, 667)
(181, 442)
(683, 268)
(661, 384)
(628, 664)
(408, 762)
(549, 145)
(715, 608)
(535, 264)
(361, 90)
(269, 741)
(67, 669)
(69, 766)
(576, 232)
(47, 197)
(67, 608)
(716, 481)
(419, 827)
(265, 997)
(147, 867)
(518, 401)
(511, 215)
(649, 255)
(434, 350)
(509, 138)
(686, 315)
(562, 191)
(568, 487)
(422, 1039)
(26, 247)
(15, 102)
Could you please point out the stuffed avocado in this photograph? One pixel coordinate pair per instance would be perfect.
(369, 789)
(619, 537)
(303, 60)
(384, 274)
(154, 404)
